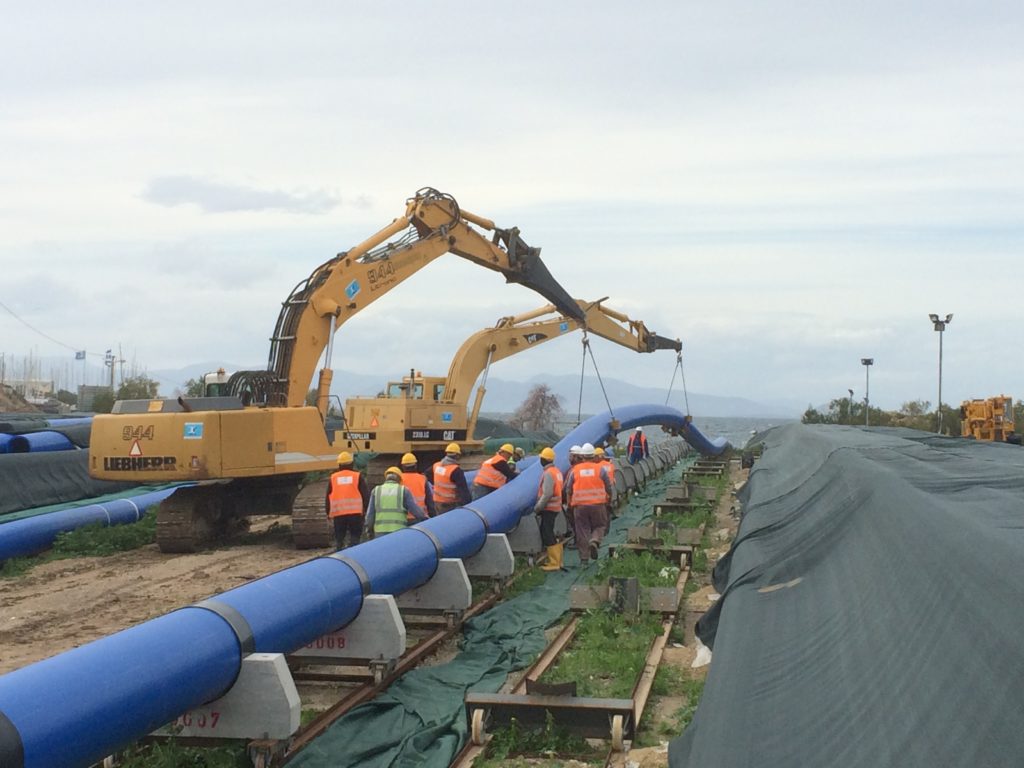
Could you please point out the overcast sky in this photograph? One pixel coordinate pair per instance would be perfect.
(787, 186)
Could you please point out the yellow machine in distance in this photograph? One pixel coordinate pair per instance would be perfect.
(990, 419)
(250, 449)
(423, 414)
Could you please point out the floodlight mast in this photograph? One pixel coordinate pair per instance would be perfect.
(867, 362)
(940, 327)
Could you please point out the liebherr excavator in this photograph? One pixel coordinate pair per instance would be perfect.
(248, 450)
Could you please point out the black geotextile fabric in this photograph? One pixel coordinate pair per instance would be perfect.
(29, 480)
(871, 610)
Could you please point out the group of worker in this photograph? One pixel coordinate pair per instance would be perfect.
(407, 496)
(586, 495)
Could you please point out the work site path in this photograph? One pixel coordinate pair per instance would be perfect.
(63, 604)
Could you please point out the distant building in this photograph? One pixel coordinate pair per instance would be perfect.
(87, 393)
(35, 391)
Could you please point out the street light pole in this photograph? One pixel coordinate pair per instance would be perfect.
(867, 362)
(851, 406)
(940, 326)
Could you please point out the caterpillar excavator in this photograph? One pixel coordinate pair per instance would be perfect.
(423, 414)
(248, 448)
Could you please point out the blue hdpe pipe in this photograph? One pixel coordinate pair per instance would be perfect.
(75, 708)
(20, 538)
(70, 421)
(5, 442)
(37, 442)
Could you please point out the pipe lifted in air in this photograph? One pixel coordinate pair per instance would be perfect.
(77, 707)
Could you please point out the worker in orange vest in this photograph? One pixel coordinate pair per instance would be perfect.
(449, 481)
(548, 507)
(588, 488)
(602, 458)
(636, 447)
(422, 490)
(347, 496)
(494, 472)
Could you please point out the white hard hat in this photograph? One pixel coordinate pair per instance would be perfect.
(587, 449)
(575, 451)
(639, 429)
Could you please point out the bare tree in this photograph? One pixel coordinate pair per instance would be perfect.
(540, 410)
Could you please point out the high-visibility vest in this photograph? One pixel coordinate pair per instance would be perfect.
(555, 502)
(610, 466)
(417, 485)
(487, 475)
(345, 497)
(389, 508)
(587, 485)
(634, 442)
(445, 491)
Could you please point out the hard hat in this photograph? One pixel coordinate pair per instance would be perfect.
(575, 451)
(547, 453)
(599, 451)
(394, 471)
(453, 448)
(409, 459)
(520, 453)
(507, 448)
(639, 429)
(344, 457)
(587, 449)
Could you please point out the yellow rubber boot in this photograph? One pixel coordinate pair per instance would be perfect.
(554, 562)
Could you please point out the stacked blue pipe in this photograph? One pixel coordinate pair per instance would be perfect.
(70, 421)
(21, 538)
(37, 442)
(75, 708)
(5, 442)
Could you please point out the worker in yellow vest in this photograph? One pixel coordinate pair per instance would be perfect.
(390, 503)
(588, 488)
(450, 487)
(494, 472)
(548, 507)
(347, 496)
(422, 490)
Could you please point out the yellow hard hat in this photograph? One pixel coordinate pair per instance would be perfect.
(507, 448)
(344, 457)
(599, 451)
(453, 448)
(409, 458)
(547, 453)
(393, 471)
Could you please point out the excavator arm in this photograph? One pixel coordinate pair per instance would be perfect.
(518, 333)
(433, 225)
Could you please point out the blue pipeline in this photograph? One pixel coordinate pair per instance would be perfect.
(27, 536)
(70, 421)
(5, 442)
(76, 708)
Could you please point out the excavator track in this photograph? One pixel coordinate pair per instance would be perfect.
(196, 516)
(188, 518)
(311, 528)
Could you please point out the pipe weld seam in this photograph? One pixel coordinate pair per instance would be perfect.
(364, 579)
(433, 540)
(235, 620)
(12, 750)
(481, 515)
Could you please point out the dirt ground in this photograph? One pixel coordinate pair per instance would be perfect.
(66, 603)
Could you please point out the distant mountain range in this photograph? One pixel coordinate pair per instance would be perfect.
(505, 396)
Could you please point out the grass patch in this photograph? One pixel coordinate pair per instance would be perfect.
(682, 717)
(649, 569)
(524, 582)
(607, 654)
(700, 560)
(551, 740)
(170, 754)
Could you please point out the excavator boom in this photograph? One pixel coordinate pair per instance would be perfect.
(433, 225)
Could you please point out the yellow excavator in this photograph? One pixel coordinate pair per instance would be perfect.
(249, 449)
(990, 420)
(423, 414)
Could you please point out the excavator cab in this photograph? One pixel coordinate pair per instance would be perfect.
(416, 386)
